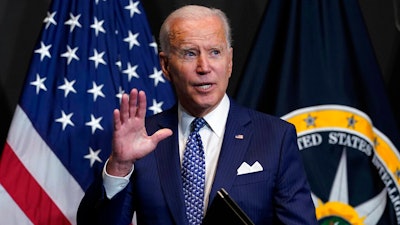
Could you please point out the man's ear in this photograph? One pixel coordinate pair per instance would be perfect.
(164, 65)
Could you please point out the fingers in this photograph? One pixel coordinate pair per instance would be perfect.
(124, 108)
(133, 100)
(141, 112)
(117, 119)
(137, 104)
(133, 105)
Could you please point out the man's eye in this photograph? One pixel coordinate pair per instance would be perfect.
(189, 54)
(215, 52)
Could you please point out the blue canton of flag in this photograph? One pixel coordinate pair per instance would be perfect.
(89, 54)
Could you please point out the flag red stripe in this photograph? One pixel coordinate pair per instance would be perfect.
(26, 191)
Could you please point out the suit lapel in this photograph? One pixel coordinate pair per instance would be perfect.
(235, 144)
(168, 163)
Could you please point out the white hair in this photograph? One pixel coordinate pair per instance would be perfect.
(192, 12)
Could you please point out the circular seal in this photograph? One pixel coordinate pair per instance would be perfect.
(352, 167)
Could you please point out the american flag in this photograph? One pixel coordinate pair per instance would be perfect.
(90, 52)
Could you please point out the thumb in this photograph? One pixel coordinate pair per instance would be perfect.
(161, 135)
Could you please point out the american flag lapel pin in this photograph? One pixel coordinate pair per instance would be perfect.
(239, 136)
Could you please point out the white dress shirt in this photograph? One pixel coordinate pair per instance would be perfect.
(212, 136)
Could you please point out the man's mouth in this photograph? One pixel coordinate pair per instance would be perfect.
(204, 86)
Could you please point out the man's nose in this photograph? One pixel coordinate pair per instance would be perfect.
(203, 64)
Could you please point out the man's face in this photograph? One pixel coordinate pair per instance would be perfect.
(199, 63)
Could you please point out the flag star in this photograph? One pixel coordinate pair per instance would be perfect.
(67, 87)
(96, 91)
(94, 123)
(98, 26)
(39, 83)
(93, 156)
(70, 54)
(119, 64)
(131, 71)
(98, 58)
(50, 19)
(65, 119)
(157, 76)
(156, 107)
(132, 39)
(120, 93)
(73, 21)
(43, 51)
(154, 46)
(97, 1)
(133, 8)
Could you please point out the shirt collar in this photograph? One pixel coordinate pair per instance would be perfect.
(215, 119)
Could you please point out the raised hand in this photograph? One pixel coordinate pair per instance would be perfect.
(130, 138)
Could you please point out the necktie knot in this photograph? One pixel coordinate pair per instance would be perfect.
(197, 124)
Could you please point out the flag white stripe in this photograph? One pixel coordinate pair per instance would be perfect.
(44, 165)
(9, 210)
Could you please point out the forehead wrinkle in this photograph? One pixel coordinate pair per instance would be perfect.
(187, 31)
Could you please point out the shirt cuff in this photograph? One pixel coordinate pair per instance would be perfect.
(113, 184)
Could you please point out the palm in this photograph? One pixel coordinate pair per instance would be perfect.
(130, 138)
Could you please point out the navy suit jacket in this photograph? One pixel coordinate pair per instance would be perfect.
(279, 194)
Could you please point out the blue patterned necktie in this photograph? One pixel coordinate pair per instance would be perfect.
(193, 174)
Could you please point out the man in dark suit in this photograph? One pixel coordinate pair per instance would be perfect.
(252, 155)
